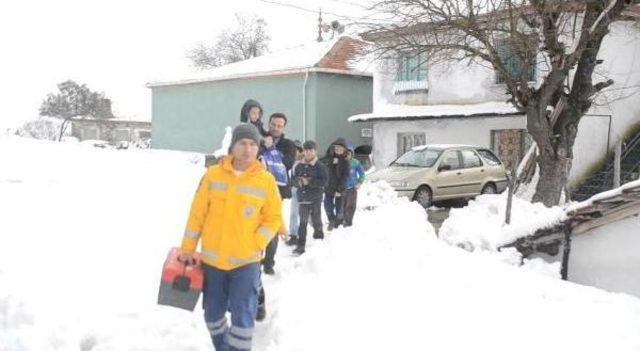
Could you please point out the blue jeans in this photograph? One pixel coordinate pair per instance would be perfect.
(333, 208)
(235, 290)
(294, 217)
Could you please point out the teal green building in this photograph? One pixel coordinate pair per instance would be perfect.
(315, 86)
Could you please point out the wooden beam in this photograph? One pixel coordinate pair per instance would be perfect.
(610, 217)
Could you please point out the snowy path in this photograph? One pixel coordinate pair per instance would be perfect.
(84, 233)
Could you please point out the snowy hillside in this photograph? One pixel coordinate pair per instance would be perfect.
(84, 233)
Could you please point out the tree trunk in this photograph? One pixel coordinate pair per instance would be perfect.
(554, 173)
(62, 129)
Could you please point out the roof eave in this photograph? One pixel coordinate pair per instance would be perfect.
(260, 74)
(416, 118)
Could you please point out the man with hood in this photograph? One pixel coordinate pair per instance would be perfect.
(251, 112)
(338, 168)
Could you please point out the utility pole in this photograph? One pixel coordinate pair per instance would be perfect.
(319, 26)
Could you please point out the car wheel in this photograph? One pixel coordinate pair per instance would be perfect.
(423, 196)
(489, 189)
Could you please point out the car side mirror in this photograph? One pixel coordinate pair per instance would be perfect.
(444, 168)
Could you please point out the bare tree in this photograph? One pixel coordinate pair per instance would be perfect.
(246, 39)
(560, 37)
(42, 128)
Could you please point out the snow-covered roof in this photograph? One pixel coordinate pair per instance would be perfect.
(399, 112)
(298, 59)
(610, 195)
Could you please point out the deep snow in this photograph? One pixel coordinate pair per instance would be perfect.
(84, 233)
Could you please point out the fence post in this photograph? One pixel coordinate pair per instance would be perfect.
(616, 164)
(510, 184)
(566, 251)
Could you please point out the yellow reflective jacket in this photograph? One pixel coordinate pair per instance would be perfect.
(235, 215)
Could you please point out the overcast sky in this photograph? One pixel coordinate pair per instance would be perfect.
(117, 46)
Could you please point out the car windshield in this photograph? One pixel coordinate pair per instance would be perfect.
(418, 158)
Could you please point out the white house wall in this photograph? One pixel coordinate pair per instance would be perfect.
(461, 83)
(607, 257)
(621, 102)
(621, 54)
(591, 143)
(472, 130)
(456, 83)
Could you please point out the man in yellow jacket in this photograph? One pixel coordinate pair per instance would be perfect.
(236, 212)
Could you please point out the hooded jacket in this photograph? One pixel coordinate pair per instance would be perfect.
(244, 115)
(338, 167)
(356, 173)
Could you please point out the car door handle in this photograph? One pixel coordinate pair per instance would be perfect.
(482, 170)
(459, 173)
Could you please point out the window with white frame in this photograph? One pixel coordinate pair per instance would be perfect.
(411, 67)
(411, 75)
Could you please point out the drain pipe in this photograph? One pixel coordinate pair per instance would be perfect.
(304, 106)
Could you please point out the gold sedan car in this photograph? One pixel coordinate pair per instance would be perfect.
(441, 172)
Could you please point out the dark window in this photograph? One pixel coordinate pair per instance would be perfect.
(509, 58)
(406, 141)
(470, 159)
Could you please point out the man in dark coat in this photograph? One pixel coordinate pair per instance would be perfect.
(338, 167)
(251, 112)
(277, 125)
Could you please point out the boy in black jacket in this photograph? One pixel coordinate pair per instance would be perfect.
(310, 177)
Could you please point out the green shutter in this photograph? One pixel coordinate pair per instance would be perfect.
(511, 63)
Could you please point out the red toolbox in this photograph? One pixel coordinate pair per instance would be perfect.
(181, 284)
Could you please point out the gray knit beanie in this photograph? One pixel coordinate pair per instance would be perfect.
(245, 131)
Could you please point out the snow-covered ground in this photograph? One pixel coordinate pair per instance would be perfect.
(84, 232)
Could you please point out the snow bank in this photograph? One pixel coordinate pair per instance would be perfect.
(388, 284)
(373, 194)
(83, 235)
(480, 225)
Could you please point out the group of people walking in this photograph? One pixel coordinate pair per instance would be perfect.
(237, 215)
